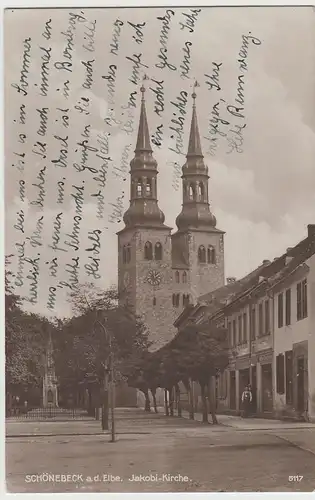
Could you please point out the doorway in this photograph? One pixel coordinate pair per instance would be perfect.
(232, 390)
(266, 382)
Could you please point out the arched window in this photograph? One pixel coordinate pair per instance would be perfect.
(154, 301)
(158, 251)
(184, 278)
(211, 254)
(148, 254)
(148, 187)
(139, 187)
(191, 192)
(128, 253)
(185, 300)
(175, 299)
(202, 254)
(177, 277)
(201, 191)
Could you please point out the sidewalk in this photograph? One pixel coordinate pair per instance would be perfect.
(253, 424)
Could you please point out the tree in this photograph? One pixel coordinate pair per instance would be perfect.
(82, 349)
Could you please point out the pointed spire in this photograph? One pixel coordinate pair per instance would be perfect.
(194, 145)
(143, 139)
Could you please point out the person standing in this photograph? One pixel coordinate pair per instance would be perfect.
(247, 399)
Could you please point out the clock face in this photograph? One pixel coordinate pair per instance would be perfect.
(126, 279)
(154, 277)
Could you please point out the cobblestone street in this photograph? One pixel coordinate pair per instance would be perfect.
(156, 446)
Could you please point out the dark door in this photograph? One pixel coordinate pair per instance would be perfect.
(300, 384)
(232, 391)
(266, 372)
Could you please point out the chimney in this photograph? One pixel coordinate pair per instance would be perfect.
(310, 230)
(266, 262)
(289, 249)
(230, 280)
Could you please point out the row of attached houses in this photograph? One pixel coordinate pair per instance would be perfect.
(270, 318)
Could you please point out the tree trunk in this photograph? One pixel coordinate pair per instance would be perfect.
(166, 403)
(191, 401)
(105, 411)
(204, 404)
(147, 401)
(171, 396)
(153, 392)
(179, 408)
(211, 401)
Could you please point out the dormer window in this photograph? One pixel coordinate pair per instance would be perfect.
(184, 277)
(177, 277)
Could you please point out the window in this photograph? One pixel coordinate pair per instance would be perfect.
(289, 377)
(211, 255)
(253, 324)
(139, 188)
(148, 254)
(154, 301)
(185, 300)
(158, 251)
(148, 187)
(301, 300)
(128, 253)
(202, 254)
(230, 339)
(201, 191)
(191, 192)
(177, 277)
(245, 328)
(288, 307)
(175, 299)
(280, 310)
(280, 373)
(184, 278)
(234, 332)
(260, 320)
(267, 317)
(240, 330)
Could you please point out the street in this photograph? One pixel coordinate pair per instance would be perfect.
(158, 453)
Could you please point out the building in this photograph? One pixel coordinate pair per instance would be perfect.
(270, 317)
(160, 272)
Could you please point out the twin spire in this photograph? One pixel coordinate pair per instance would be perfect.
(143, 209)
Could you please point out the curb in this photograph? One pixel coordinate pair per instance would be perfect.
(301, 447)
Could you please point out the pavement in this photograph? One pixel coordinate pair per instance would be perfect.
(154, 453)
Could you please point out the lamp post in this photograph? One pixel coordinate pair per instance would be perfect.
(108, 336)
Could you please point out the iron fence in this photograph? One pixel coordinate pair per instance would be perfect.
(49, 413)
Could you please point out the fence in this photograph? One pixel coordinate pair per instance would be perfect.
(49, 413)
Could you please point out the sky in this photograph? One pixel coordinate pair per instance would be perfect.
(262, 193)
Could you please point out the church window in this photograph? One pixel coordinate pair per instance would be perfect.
(211, 254)
(148, 187)
(184, 277)
(139, 188)
(148, 254)
(158, 251)
(175, 299)
(191, 192)
(201, 191)
(128, 253)
(185, 300)
(177, 277)
(202, 254)
(154, 301)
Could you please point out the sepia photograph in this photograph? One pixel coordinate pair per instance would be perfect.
(159, 249)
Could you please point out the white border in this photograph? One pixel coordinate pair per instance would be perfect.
(107, 3)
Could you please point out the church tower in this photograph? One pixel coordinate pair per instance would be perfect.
(144, 245)
(198, 247)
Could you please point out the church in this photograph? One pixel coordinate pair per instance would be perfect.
(160, 271)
